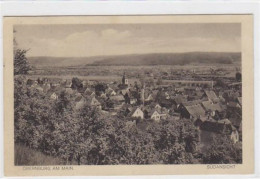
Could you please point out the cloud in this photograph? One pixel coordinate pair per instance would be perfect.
(117, 42)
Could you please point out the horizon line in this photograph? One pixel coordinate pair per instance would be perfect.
(139, 54)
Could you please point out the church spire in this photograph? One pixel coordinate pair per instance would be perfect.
(124, 80)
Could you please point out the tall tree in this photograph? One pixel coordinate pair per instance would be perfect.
(21, 64)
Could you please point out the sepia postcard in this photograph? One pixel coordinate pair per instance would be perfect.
(128, 95)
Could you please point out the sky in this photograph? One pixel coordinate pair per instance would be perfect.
(86, 40)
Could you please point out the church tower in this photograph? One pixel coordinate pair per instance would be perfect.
(124, 80)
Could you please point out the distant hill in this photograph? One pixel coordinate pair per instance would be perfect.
(172, 59)
(141, 59)
(61, 61)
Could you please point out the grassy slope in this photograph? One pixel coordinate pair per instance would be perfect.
(26, 156)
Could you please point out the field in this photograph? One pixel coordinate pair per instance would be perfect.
(114, 73)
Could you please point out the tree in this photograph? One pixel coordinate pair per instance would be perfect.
(63, 103)
(76, 83)
(238, 76)
(222, 151)
(220, 83)
(21, 65)
(159, 81)
(100, 88)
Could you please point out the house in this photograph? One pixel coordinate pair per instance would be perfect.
(67, 84)
(69, 91)
(167, 95)
(155, 106)
(89, 92)
(54, 84)
(164, 113)
(103, 95)
(189, 103)
(92, 101)
(194, 111)
(34, 84)
(178, 100)
(234, 135)
(199, 93)
(223, 126)
(118, 98)
(39, 88)
(125, 109)
(211, 107)
(166, 103)
(111, 92)
(80, 101)
(124, 91)
(154, 115)
(52, 95)
(210, 96)
(136, 113)
(148, 97)
(46, 88)
(133, 100)
(179, 89)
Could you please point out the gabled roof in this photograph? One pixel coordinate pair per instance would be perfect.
(69, 90)
(217, 126)
(151, 112)
(180, 99)
(46, 87)
(133, 111)
(211, 95)
(211, 106)
(109, 92)
(80, 102)
(224, 121)
(199, 93)
(191, 103)
(153, 105)
(39, 88)
(50, 92)
(117, 98)
(90, 99)
(88, 92)
(195, 110)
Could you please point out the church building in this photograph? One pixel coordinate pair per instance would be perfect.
(124, 80)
